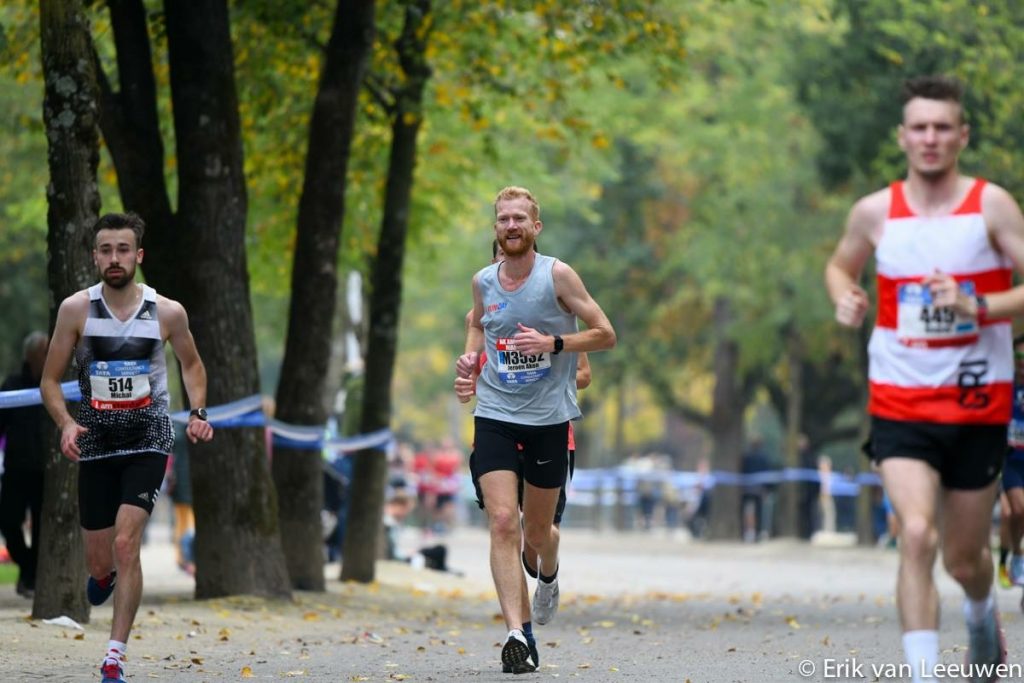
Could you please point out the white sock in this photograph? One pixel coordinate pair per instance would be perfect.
(976, 610)
(116, 650)
(921, 648)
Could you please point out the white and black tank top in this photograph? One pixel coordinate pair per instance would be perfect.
(122, 374)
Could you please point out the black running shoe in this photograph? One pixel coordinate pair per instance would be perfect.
(99, 590)
(515, 654)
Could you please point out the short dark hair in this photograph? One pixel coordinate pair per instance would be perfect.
(121, 221)
(933, 88)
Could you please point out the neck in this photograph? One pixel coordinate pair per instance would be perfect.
(125, 296)
(518, 267)
(935, 192)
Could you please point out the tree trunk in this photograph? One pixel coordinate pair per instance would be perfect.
(70, 116)
(789, 491)
(237, 545)
(726, 424)
(304, 370)
(367, 503)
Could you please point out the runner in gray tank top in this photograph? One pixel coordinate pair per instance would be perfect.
(122, 434)
(526, 308)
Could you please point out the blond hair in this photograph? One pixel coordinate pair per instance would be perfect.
(513, 192)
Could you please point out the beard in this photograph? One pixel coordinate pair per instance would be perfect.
(521, 246)
(118, 280)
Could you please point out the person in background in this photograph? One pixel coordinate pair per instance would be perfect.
(21, 486)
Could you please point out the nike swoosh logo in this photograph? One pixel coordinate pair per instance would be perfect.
(543, 462)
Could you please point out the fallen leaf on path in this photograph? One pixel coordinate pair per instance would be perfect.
(246, 672)
(583, 666)
(294, 674)
(606, 624)
(311, 616)
(224, 634)
(359, 678)
(792, 622)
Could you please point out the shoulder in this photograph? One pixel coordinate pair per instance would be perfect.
(76, 304)
(996, 199)
(872, 208)
(169, 309)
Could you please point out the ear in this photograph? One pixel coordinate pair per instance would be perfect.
(900, 132)
(138, 255)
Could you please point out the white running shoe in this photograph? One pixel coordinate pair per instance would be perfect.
(545, 601)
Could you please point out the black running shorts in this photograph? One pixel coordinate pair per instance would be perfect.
(965, 456)
(539, 454)
(105, 484)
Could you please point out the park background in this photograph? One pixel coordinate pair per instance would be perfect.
(318, 178)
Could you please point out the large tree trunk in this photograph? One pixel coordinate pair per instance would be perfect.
(729, 404)
(304, 370)
(70, 115)
(237, 545)
(367, 506)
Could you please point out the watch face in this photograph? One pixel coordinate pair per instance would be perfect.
(200, 413)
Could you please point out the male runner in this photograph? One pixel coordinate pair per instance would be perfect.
(1013, 472)
(122, 435)
(527, 307)
(941, 369)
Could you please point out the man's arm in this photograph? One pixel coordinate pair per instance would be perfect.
(582, 371)
(844, 268)
(66, 332)
(571, 292)
(193, 372)
(467, 363)
(1006, 225)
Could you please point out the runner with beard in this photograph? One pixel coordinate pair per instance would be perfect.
(465, 391)
(527, 308)
(122, 435)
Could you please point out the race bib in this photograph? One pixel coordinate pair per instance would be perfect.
(119, 384)
(921, 323)
(520, 368)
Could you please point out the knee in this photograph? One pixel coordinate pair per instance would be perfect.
(538, 536)
(919, 539)
(126, 549)
(966, 569)
(504, 525)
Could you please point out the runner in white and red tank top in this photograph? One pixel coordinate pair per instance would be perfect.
(941, 366)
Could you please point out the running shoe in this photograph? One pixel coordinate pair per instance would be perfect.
(1017, 570)
(1004, 577)
(112, 673)
(98, 590)
(534, 655)
(545, 601)
(516, 653)
(986, 648)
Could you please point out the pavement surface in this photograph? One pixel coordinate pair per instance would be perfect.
(635, 607)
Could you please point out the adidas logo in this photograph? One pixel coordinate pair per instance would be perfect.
(144, 496)
(145, 315)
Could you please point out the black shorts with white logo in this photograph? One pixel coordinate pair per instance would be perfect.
(965, 456)
(539, 454)
(105, 484)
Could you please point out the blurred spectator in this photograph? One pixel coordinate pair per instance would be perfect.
(179, 487)
(337, 480)
(445, 468)
(807, 516)
(21, 487)
(752, 499)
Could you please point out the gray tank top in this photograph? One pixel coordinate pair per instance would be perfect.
(516, 387)
(122, 374)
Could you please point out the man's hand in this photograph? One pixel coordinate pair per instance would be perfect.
(465, 388)
(532, 342)
(69, 440)
(947, 293)
(467, 363)
(198, 430)
(852, 307)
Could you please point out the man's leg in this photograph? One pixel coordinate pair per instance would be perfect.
(538, 510)
(13, 503)
(127, 544)
(968, 558)
(913, 489)
(500, 490)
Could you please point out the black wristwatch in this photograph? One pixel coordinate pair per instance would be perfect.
(559, 344)
(199, 413)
